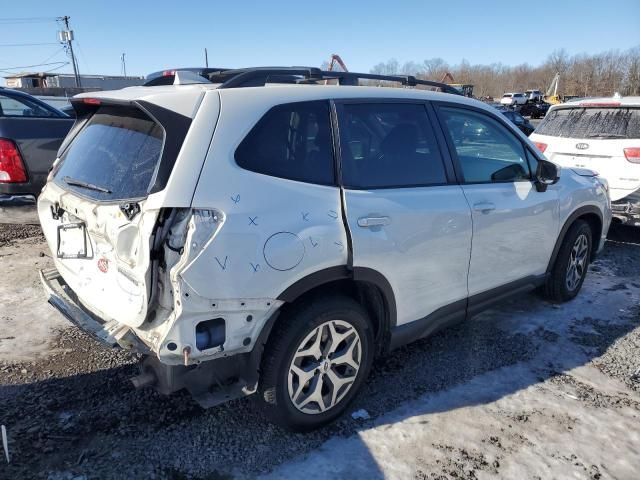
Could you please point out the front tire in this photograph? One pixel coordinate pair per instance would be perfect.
(316, 360)
(572, 262)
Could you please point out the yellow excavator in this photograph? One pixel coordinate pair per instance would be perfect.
(552, 97)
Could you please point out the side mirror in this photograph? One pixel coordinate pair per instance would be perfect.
(546, 174)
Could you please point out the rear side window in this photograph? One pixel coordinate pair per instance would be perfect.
(389, 145)
(19, 107)
(291, 141)
(114, 157)
(604, 123)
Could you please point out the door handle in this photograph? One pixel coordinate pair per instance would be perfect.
(484, 207)
(368, 222)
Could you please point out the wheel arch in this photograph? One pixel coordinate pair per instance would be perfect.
(367, 286)
(589, 213)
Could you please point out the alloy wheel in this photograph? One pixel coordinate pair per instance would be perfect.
(577, 262)
(324, 367)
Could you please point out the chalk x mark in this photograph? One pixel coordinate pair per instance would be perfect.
(333, 214)
(255, 267)
(252, 221)
(340, 245)
(305, 216)
(236, 199)
(313, 244)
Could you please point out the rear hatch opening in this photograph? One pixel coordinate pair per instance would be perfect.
(93, 213)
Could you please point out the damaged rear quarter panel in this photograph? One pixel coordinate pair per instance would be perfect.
(270, 232)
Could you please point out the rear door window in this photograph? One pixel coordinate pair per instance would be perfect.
(291, 141)
(389, 145)
(114, 157)
(603, 123)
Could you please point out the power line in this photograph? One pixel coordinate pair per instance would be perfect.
(26, 44)
(5, 69)
(8, 21)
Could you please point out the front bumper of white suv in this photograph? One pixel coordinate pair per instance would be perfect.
(627, 209)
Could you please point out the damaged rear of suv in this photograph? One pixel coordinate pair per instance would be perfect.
(272, 241)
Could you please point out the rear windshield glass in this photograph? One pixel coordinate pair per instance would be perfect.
(114, 156)
(506, 95)
(591, 123)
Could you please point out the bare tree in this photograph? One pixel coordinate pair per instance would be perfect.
(601, 74)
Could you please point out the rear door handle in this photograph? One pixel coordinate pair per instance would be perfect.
(368, 222)
(484, 207)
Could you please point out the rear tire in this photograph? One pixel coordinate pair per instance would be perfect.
(571, 264)
(318, 356)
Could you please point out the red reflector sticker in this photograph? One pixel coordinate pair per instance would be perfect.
(103, 265)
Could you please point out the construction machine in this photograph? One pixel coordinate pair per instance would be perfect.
(552, 96)
(465, 89)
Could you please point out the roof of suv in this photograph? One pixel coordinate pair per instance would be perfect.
(611, 102)
(283, 92)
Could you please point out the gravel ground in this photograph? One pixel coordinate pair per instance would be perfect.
(75, 415)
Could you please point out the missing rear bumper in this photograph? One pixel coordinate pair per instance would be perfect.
(63, 299)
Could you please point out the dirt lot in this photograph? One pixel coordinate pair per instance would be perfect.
(527, 390)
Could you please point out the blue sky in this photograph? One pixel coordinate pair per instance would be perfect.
(160, 34)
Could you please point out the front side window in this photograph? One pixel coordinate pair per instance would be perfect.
(291, 141)
(487, 151)
(389, 145)
(114, 157)
(14, 107)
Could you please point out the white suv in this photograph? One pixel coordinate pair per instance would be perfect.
(513, 99)
(275, 239)
(601, 134)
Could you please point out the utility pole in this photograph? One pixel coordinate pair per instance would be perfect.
(66, 36)
(206, 58)
(124, 65)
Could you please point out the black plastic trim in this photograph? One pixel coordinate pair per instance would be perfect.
(342, 272)
(460, 310)
(441, 318)
(175, 127)
(587, 209)
(482, 301)
(314, 280)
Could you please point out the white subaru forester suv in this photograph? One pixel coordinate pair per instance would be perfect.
(603, 135)
(263, 232)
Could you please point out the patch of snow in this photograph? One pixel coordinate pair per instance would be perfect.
(361, 414)
(28, 324)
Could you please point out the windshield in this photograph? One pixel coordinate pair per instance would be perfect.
(114, 157)
(609, 123)
(506, 95)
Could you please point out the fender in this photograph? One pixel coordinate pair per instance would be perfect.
(342, 272)
(587, 209)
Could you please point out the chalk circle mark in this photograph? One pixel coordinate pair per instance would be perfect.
(283, 251)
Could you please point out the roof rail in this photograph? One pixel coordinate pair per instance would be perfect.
(259, 76)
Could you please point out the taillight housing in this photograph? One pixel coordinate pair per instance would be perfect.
(540, 146)
(632, 154)
(11, 165)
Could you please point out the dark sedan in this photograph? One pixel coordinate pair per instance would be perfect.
(30, 133)
(522, 123)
